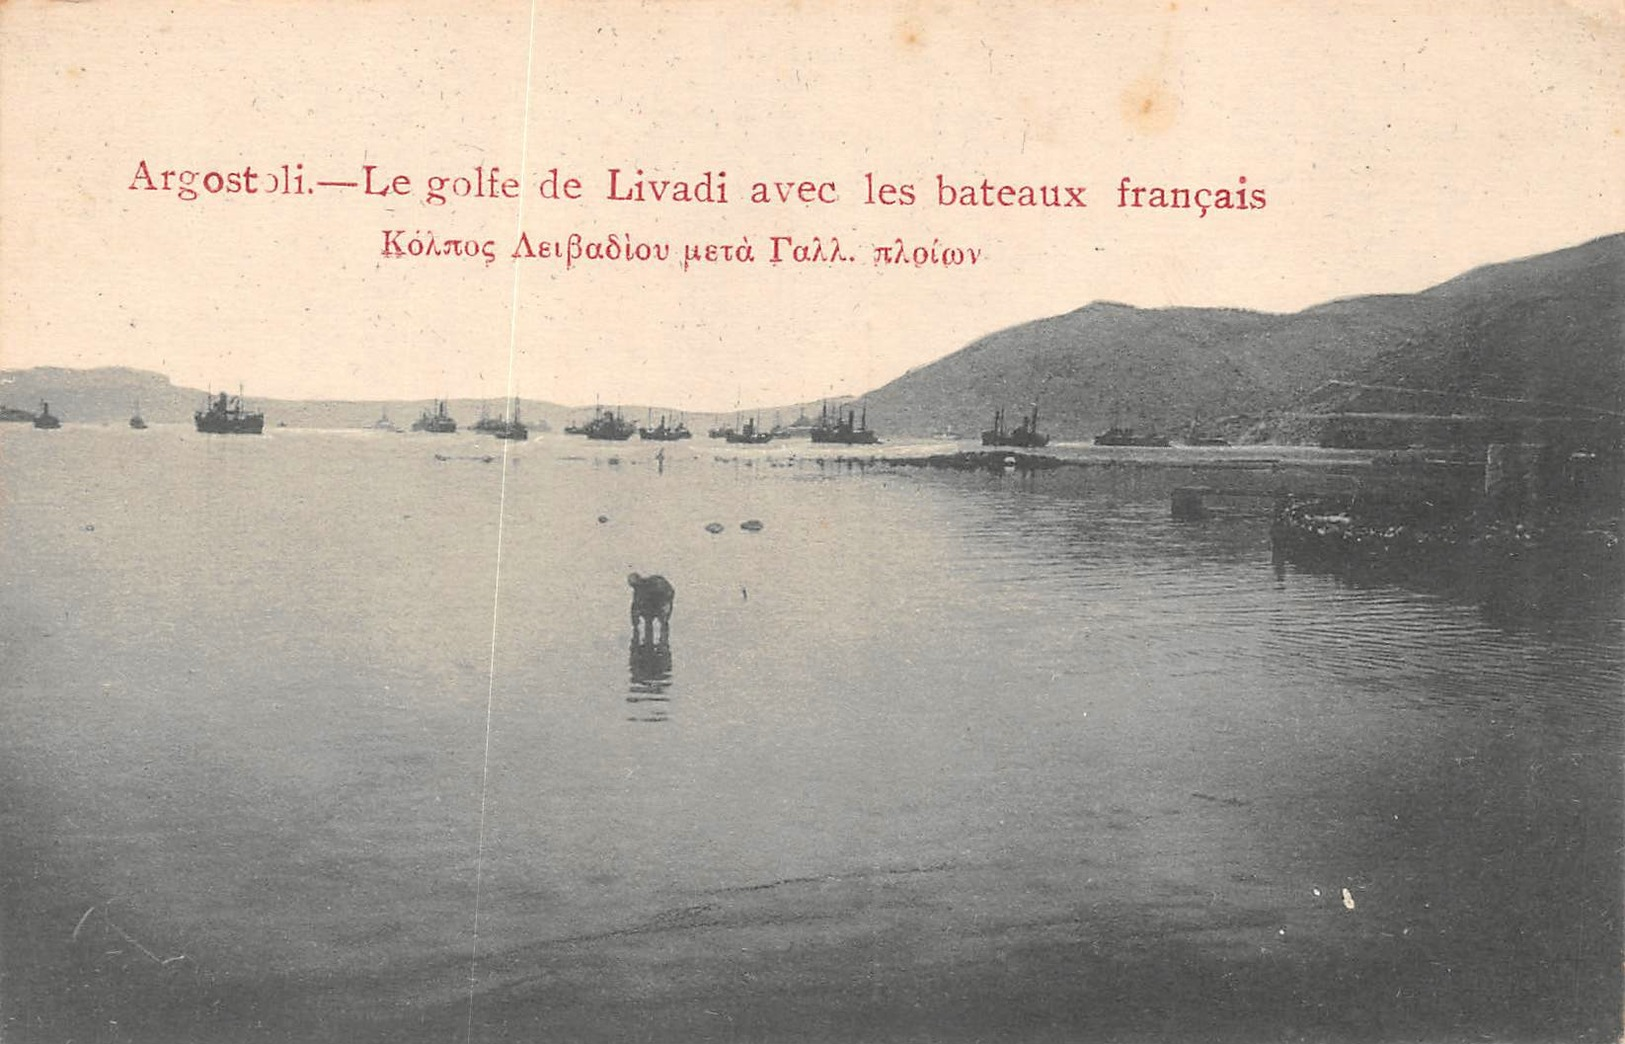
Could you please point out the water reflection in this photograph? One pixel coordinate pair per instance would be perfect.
(649, 663)
(1110, 528)
(1575, 596)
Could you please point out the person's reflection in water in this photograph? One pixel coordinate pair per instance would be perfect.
(650, 665)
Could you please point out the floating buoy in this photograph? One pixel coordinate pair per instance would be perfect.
(752, 526)
(714, 527)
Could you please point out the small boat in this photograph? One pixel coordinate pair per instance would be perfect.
(383, 423)
(1115, 436)
(225, 415)
(436, 421)
(849, 432)
(45, 418)
(1025, 434)
(136, 421)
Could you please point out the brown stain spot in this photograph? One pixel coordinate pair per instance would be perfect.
(911, 34)
(1148, 105)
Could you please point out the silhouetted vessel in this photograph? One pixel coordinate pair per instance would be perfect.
(136, 420)
(1115, 436)
(225, 415)
(510, 427)
(45, 418)
(1025, 434)
(801, 427)
(609, 427)
(848, 432)
(665, 432)
(488, 423)
(436, 421)
(749, 435)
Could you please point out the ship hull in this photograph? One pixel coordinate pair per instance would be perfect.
(249, 425)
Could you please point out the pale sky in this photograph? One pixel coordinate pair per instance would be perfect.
(1395, 147)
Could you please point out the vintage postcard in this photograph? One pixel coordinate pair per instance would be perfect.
(527, 520)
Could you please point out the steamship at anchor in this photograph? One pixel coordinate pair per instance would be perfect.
(225, 415)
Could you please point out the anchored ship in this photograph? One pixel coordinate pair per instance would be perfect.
(510, 427)
(437, 421)
(849, 432)
(750, 435)
(666, 432)
(608, 427)
(1025, 434)
(225, 415)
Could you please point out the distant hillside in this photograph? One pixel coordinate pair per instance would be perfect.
(1549, 328)
(108, 395)
(105, 395)
(1543, 337)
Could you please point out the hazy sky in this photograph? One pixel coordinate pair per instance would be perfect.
(1394, 147)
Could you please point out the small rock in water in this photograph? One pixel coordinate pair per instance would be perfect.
(713, 527)
(752, 526)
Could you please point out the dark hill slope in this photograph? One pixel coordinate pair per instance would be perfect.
(1542, 336)
(1548, 327)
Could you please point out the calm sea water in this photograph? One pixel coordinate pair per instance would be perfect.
(337, 736)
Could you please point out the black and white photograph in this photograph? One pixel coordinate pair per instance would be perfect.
(914, 522)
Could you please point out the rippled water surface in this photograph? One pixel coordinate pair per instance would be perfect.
(930, 756)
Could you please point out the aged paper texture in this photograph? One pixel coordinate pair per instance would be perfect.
(1118, 502)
